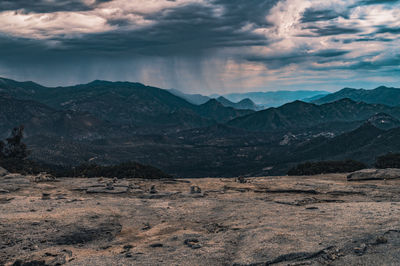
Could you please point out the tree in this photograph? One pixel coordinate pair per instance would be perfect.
(15, 148)
(2, 145)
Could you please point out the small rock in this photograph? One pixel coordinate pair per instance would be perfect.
(110, 186)
(128, 247)
(381, 240)
(156, 245)
(146, 226)
(153, 190)
(195, 190)
(360, 250)
(192, 243)
(69, 252)
(4, 191)
(46, 196)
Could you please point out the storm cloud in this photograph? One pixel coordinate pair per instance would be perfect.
(203, 46)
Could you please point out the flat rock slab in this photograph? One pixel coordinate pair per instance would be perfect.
(374, 174)
(115, 190)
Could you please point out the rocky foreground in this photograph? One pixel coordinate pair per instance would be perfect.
(317, 220)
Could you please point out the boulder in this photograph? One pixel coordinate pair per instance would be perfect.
(374, 174)
(43, 177)
(3, 172)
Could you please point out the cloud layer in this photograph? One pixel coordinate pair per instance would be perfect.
(203, 45)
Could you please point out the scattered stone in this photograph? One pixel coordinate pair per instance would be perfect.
(192, 243)
(215, 228)
(4, 191)
(195, 190)
(58, 260)
(156, 245)
(69, 252)
(374, 174)
(46, 196)
(110, 186)
(146, 226)
(62, 196)
(128, 247)
(312, 208)
(381, 240)
(360, 250)
(115, 179)
(153, 189)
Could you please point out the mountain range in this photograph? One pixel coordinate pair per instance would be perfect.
(274, 98)
(134, 106)
(301, 115)
(253, 100)
(199, 99)
(381, 95)
(112, 122)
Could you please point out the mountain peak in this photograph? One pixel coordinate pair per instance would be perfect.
(212, 102)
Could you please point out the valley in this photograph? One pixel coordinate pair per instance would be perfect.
(112, 122)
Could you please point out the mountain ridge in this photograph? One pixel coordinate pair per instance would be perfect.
(381, 95)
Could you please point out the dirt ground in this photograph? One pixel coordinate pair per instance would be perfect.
(316, 220)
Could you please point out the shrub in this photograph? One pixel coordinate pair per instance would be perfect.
(325, 167)
(123, 170)
(390, 160)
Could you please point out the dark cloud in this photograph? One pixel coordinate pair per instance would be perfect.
(331, 30)
(377, 64)
(187, 29)
(377, 2)
(313, 15)
(365, 39)
(224, 29)
(395, 30)
(45, 6)
(279, 61)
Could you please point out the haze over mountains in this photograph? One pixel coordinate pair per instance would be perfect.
(111, 122)
(253, 100)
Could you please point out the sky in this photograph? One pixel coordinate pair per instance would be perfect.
(203, 46)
